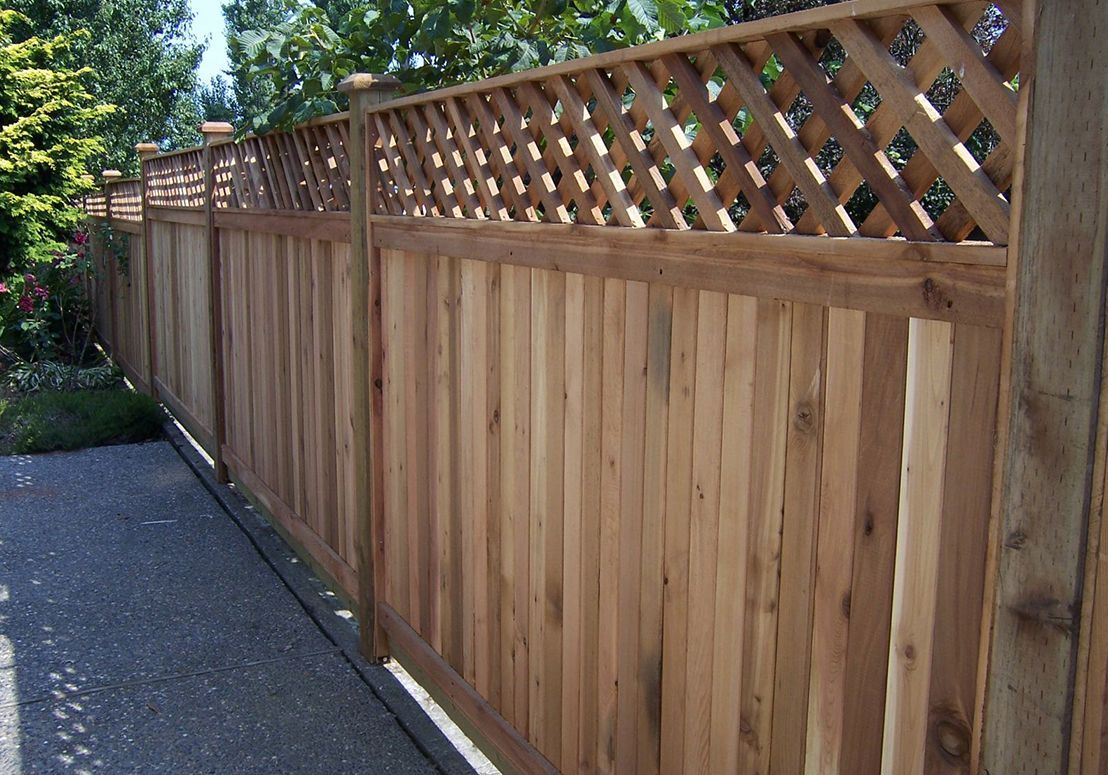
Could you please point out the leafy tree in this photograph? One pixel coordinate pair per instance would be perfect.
(215, 101)
(252, 97)
(142, 59)
(431, 43)
(46, 114)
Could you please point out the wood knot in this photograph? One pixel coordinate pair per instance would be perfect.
(1017, 539)
(805, 420)
(1044, 611)
(933, 295)
(867, 525)
(953, 739)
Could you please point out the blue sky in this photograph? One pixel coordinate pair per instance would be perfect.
(208, 25)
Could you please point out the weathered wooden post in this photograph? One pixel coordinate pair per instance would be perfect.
(366, 90)
(110, 269)
(89, 180)
(145, 151)
(214, 131)
(1052, 435)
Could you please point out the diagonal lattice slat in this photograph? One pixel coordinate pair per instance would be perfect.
(671, 133)
(794, 156)
(304, 169)
(935, 138)
(859, 147)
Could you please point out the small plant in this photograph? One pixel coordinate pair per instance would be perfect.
(32, 377)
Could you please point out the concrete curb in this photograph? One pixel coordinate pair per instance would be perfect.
(312, 596)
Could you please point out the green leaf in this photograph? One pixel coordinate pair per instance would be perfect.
(645, 12)
(671, 16)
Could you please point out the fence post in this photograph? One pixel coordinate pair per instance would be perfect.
(110, 176)
(90, 181)
(214, 131)
(364, 91)
(1052, 427)
(145, 151)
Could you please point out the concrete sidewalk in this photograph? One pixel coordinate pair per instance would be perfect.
(141, 631)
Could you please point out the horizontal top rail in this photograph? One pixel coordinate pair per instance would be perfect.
(177, 152)
(864, 119)
(331, 118)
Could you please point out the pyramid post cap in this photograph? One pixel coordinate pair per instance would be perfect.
(216, 128)
(369, 82)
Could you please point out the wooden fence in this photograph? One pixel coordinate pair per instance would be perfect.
(660, 409)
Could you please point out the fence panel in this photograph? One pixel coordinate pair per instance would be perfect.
(118, 286)
(622, 487)
(129, 322)
(182, 333)
(286, 345)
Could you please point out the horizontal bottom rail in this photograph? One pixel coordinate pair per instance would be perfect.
(133, 376)
(197, 429)
(339, 570)
(509, 748)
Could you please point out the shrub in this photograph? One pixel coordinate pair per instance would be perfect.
(44, 311)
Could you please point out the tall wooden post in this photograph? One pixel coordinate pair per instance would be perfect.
(89, 181)
(366, 90)
(110, 269)
(1057, 269)
(214, 131)
(145, 151)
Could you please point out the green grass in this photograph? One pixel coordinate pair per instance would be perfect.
(49, 421)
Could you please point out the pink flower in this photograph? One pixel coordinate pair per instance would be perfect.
(29, 279)
(80, 254)
(41, 292)
(26, 304)
(4, 288)
(80, 237)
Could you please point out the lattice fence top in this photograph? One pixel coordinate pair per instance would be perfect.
(176, 179)
(827, 122)
(96, 204)
(126, 199)
(305, 169)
